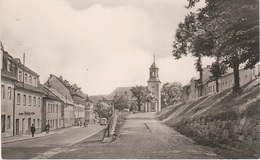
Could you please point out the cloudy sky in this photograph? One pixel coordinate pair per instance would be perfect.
(97, 44)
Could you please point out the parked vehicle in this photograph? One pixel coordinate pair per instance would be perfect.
(103, 121)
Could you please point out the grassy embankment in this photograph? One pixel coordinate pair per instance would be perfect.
(226, 119)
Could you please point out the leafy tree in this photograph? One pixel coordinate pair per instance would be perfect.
(103, 108)
(142, 95)
(190, 38)
(170, 92)
(235, 23)
(217, 69)
(120, 103)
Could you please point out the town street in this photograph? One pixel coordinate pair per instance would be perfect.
(141, 137)
(34, 147)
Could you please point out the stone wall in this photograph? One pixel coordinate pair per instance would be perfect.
(233, 132)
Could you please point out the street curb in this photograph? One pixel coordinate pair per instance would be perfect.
(12, 141)
(86, 137)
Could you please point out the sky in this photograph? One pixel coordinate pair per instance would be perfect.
(97, 44)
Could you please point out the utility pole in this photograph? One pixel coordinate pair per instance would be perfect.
(23, 67)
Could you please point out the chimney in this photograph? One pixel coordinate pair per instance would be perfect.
(61, 78)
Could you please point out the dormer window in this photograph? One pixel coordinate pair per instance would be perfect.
(25, 78)
(30, 79)
(20, 76)
(35, 82)
(9, 65)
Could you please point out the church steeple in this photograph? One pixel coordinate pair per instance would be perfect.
(154, 86)
(154, 76)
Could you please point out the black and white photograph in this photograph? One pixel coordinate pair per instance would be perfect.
(130, 79)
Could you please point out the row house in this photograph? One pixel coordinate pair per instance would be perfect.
(191, 90)
(67, 108)
(52, 110)
(58, 84)
(79, 103)
(21, 99)
(28, 99)
(8, 78)
(24, 101)
(75, 95)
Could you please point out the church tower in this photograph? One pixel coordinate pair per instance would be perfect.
(154, 85)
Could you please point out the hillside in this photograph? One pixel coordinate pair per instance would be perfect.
(226, 119)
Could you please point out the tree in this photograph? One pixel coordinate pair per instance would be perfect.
(217, 69)
(170, 92)
(190, 38)
(120, 103)
(235, 23)
(103, 109)
(142, 95)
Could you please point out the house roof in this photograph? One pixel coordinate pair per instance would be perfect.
(49, 94)
(17, 62)
(60, 96)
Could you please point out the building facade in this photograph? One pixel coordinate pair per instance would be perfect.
(28, 99)
(191, 90)
(53, 110)
(8, 78)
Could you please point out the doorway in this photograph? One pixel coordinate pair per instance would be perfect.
(23, 130)
(3, 123)
(17, 126)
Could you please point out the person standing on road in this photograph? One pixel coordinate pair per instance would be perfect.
(33, 130)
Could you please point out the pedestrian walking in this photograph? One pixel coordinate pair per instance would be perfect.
(33, 130)
(47, 128)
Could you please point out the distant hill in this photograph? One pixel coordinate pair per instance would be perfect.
(226, 119)
(95, 98)
(121, 91)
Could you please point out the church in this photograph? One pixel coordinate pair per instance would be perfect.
(154, 86)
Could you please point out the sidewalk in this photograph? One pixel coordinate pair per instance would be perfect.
(23, 137)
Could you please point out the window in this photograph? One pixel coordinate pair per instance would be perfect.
(9, 92)
(35, 82)
(34, 122)
(48, 108)
(246, 79)
(9, 65)
(18, 98)
(20, 77)
(39, 102)
(51, 108)
(25, 78)
(24, 99)
(34, 101)
(213, 88)
(30, 100)
(2, 91)
(30, 80)
(56, 108)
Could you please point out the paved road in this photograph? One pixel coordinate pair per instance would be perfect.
(37, 147)
(141, 137)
